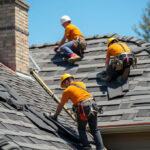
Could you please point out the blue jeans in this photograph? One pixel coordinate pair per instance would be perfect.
(68, 48)
(92, 121)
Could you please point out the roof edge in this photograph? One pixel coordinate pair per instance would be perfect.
(7, 68)
(125, 128)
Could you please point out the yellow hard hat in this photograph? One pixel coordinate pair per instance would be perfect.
(64, 77)
(110, 40)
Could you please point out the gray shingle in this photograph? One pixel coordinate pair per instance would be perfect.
(16, 125)
(114, 90)
(125, 105)
(143, 113)
(128, 116)
(112, 107)
(89, 70)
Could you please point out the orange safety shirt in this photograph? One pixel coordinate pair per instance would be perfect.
(75, 94)
(72, 32)
(115, 49)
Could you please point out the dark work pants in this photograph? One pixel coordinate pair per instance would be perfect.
(92, 121)
(111, 72)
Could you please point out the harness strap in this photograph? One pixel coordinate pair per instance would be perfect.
(86, 100)
(124, 51)
(91, 98)
(80, 105)
(122, 47)
(81, 112)
(127, 59)
(79, 87)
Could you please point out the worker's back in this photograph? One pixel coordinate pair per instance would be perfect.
(117, 48)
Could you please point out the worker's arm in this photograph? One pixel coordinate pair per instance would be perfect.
(59, 108)
(60, 43)
(107, 63)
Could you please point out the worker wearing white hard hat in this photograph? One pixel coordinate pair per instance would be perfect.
(65, 19)
(73, 49)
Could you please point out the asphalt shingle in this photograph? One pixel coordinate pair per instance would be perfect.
(90, 68)
(26, 126)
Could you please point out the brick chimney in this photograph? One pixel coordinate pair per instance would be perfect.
(14, 41)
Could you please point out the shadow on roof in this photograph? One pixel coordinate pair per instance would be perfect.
(60, 59)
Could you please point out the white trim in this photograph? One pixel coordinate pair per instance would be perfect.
(34, 63)
(24, 76)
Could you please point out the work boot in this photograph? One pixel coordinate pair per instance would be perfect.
(125, 74)
(105, 79)
(74, 58)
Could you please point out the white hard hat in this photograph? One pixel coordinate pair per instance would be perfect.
(64, 19)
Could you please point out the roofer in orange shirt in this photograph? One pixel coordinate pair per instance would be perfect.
(84, 107)
(123, 59)
(76, 43)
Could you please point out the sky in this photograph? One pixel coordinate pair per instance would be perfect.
(92, 17)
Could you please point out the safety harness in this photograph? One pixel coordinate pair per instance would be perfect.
(79, 108)
(81, 112)
(124, 60)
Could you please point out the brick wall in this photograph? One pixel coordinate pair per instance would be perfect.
(14, 42)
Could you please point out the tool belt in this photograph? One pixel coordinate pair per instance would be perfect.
(79, 108)
(124, 60)
(81, 44)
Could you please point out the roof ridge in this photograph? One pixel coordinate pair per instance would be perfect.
(108, 35)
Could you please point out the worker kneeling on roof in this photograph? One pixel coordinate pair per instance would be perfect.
(84, 107)
(76, 44)
(123, 59)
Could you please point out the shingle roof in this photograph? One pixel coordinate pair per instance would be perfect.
(131, 109)
(22, 124)
(23, 101)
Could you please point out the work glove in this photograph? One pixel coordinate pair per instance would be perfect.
(53, 116)
(56, 48)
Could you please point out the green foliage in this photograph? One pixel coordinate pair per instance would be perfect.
(144, 25)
